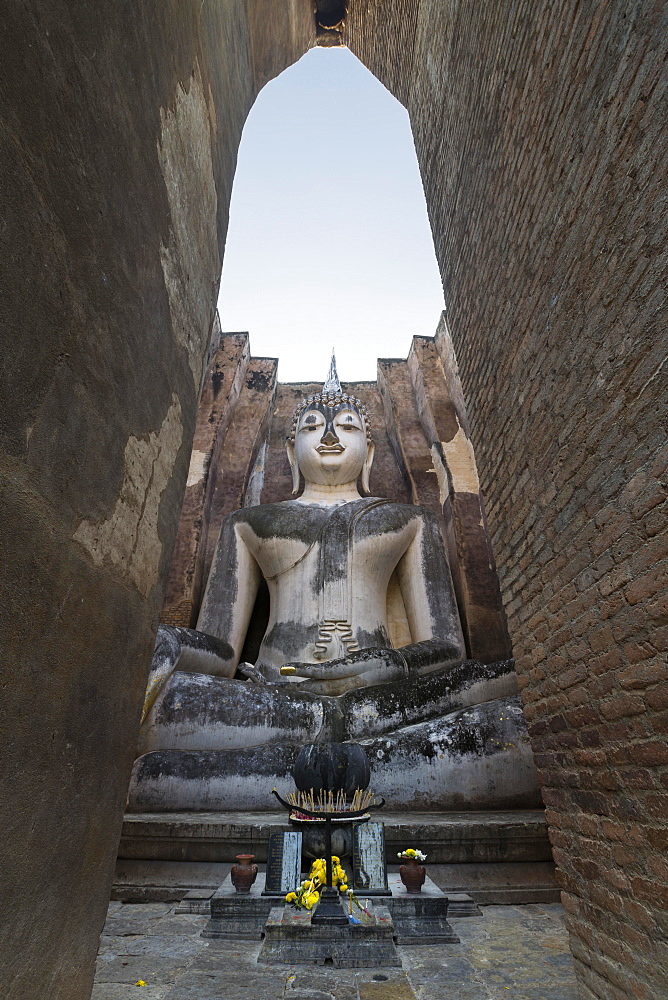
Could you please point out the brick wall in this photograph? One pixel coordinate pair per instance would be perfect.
(541, 135)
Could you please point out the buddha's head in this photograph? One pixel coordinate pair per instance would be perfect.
(330, 442)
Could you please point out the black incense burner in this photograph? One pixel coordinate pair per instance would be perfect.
(332, 780)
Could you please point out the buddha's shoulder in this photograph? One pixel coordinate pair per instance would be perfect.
(407, 510)
(391, 516)
(287, 519)
(294, 519)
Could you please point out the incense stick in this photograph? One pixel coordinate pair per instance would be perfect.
(329, 802)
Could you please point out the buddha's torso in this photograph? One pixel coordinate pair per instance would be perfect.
(326, 564)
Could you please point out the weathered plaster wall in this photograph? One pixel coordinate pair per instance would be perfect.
(119, 129)
(540, 130)
(239, 454)
(220, 391)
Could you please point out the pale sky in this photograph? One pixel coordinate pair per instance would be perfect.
(329, 242)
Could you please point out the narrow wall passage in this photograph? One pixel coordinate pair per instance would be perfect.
(540, 135)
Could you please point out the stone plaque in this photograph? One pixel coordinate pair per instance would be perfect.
(369, 863)
(284, 863)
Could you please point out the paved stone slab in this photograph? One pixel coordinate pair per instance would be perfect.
(233, 984)
(147, 911)
(519, 952)
(135, 918)
(218, 958)
(121, 991)
(181, 946)
(320, 984)
(343, 984)
(155, 970)
(181, 924)
(399, 990)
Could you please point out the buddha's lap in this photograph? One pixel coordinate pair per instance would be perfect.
(243, 713)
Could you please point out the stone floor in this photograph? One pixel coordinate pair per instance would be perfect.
(515, 952)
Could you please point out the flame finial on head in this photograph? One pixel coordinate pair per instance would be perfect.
(332, 395)
(332, 383)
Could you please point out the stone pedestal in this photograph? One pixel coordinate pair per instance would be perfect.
(240, 916)
(421, 918)
(291, 939)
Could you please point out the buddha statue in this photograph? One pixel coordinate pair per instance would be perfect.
(363, 643)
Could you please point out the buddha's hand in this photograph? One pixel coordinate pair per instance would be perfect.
(265, 675)
(368, 666)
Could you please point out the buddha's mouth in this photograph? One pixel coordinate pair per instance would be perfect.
(329, 449)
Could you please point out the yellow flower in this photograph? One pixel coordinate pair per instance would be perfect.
(140, 982)
(290, 898)
(343, 887)
(335, 860)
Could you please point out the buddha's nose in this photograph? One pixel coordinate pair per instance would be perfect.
(329, 437)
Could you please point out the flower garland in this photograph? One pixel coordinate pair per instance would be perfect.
(412, 853)
(308, 893)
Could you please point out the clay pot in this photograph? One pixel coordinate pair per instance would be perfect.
(412, 874)
(243, 874)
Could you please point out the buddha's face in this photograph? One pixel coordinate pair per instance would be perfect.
(330, 445)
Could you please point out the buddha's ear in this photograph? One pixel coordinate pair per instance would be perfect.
(290, 448)
(366, 468)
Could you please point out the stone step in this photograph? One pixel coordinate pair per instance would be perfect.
(447, 838)
(492, 857)
(516, 882)
(194, 883)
